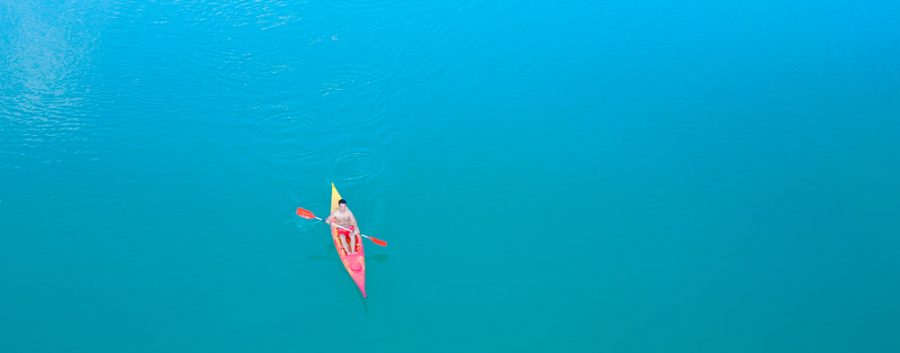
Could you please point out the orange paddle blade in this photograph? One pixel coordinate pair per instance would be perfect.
(378, 241)
(305, 213)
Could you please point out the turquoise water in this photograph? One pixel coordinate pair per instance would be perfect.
(616, 176)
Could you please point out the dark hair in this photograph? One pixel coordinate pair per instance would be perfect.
(342, 201)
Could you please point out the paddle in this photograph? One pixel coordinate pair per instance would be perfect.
(309, 215)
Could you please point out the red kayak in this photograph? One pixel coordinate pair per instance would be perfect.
(354, 263)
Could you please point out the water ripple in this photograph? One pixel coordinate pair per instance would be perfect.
(47, 57)
(357, 164)
(353, 98)
(283, 134)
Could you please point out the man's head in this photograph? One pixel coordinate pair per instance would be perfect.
(342, 204)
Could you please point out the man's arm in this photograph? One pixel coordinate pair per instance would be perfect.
(354, 224)
(329, 218)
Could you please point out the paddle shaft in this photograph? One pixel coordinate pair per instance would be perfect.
(344, 228)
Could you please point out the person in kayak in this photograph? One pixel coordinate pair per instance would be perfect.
(344, 218)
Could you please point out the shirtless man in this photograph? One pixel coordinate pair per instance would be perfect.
(343, 217)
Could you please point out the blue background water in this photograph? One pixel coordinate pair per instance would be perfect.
(622, 176)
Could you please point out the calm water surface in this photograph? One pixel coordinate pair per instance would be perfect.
(595, 176)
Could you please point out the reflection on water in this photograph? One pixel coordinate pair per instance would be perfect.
(46, 55)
